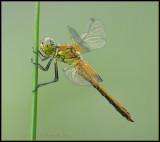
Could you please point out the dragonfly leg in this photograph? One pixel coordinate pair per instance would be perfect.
(55, 78)
(40, 66)
(40, 54)
(45, 57)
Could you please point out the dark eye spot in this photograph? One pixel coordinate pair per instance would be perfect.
(42, 42)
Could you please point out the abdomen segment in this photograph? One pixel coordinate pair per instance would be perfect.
(117, 106)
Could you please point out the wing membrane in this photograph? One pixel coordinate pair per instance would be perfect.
(76, 39)
(74, 77)
(82, 74)
(93, 38)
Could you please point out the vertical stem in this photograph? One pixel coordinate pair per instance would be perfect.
(35, 74)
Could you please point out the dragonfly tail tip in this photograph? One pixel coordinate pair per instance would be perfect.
(132, 120)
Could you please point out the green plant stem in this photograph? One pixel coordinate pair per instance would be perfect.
(35, 74)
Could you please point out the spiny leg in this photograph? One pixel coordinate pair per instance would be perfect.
(40, 66)
(44, 56)
(43, 59)
(40, 54)
(55, 78)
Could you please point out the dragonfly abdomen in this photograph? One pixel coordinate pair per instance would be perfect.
(116, 105)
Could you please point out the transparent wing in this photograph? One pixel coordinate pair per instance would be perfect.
(82, 74)
(76, 39)
(93, 38)
(74, 77)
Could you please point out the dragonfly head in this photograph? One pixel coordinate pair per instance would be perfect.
(47, 46)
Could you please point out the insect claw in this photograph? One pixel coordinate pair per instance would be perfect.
(31, 60)
(35, 52)
(35, 89)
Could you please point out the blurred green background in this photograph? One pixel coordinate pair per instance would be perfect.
(128, 65)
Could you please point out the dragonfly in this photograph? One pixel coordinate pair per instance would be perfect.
(78, 70)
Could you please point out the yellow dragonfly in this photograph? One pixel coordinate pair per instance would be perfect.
(79, 71)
